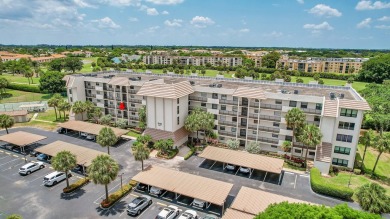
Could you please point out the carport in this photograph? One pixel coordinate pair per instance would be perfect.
(21, 139)
(234, 214)
(89, 128)
(84, 156)
(244, 159)
(208, 190)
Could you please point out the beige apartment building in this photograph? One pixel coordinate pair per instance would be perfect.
(244, 110)
(192, 60)
(331, 65)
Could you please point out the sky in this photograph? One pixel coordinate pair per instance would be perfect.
(350, 24)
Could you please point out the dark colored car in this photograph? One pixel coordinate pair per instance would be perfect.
(34, 153)
(61, 130)
(43, 157)
(142, 187)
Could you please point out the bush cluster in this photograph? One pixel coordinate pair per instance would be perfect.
(25, 87)
(114, 197)
(294, 159)
(78, 184)
(319, 186)
(171, 154)
(190, 153)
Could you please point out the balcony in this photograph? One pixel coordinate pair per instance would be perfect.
(118, 98)
(91, 95)
(231, 134)
(202, 99)
(255, 104)
(90, 87)
(301, 145)
(109, 89)
(312, 111)
(231, 102)
(108, 97)
(135, 100)
(223, 122)
(263, 139)
(132, 109)
(109, 106)
(225, 112)
(134, 118)
(132, 91)
(271, 106)
(264, 117)
(194, 107)
(264, 128)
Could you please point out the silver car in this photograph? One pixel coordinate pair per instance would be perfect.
(230, 167)
(139, 204)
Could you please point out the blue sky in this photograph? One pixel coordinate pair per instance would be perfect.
(260, 23)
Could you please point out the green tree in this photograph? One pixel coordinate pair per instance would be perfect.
(4, 83)
(286, 146)
(6, 122)
(164, 145)
(103, 170)
(52, 82)
(64, 106)
(316, 77)
(79, 108)
(253, 147)
(142, 117)
(141, 153)
(269, 60)
(64, 161)
(106, 119)
(296, 120)
(199, 120)
(121, 123)
(73, 64)
(89, 107)
(372, 198)
(376, 69)
(382, 144)
(95, 114)
(299, 80)
(14, 216)
(233, 144)
(311, 137)
(164, 70)
(53, 102)
(106, 138)
(56, 65)
(367, 139)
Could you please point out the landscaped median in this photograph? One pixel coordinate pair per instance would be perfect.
(190, 153)
(78, 184)
(117, 195)
(322, 187)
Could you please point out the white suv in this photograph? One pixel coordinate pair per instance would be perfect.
(54, 178)
(169, 212)
(30, 167)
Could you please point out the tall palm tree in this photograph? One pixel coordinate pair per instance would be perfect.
(296, 120)
(54, 101)
(64, 106)
(6, 122)
(88, 107)
(64, 161)
(103, 170)
(382, 144)
(367, 140)
(311, 136)
(372, 198)
(79, 107)
(192, 124)
(106, 138)
(141, 153)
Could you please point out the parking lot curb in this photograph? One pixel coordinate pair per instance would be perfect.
(113, 204)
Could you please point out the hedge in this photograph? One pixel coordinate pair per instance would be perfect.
(172, 154)
(78, 184)
(25, 87)
(190, 153)
(321, 187)
(114, 197)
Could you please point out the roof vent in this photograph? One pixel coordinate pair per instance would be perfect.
(341, 96)
(296, 91)
(192, 83)
(212, 85)
(285, 91)
(219, 85)
(332, 96)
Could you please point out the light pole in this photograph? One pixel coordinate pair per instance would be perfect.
(85, 174)
(349, 182)
(121, 180)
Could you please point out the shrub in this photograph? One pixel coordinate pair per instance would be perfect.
(189, 154)
(114, 197)
(78, 184)
(319, 186)
(133, 183)
(14, 216)
(357, 171)
(25, 87)
(320, 81)
(171, 154)
(121, 123)
(299, 80)
(233, 144)
(253, 147)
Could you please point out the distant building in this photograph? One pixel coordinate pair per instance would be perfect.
(17, 115)
(193, 60)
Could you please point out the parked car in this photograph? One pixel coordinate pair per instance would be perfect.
(198, 203)
(139, 204)
(156, 191)
(169, 212)
(230, 167)
(90, 137)
(142, 187)
(60, 130)
(12, 147)
(210, 216)
(83, 134)
(245, 170)
(34, 153)
(43, 157)
(54, 178)
(79, 169)
(27, 169)
(189, 214)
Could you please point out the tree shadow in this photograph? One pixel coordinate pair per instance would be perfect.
(5, 95)
(73, 195)
(117, 208)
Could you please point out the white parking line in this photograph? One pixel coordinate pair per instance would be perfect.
(9, 162)
(4, 157)
(11, 167)
(40, 177)
(295, 183)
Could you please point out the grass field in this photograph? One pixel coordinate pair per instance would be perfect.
(14, 96)
(383, 167)
(50, 116)
(38, 124)
(133, 134)
(19, 79)
(87, 67)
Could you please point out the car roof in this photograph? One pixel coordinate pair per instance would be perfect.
(164, 212)
(190, 212)
(53, 173)
(27, 165)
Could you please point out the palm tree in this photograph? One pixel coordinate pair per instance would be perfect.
(88, 107)
(64, 161)
(95, 114)
(103, 170)
(311, 136)
(296, 120)
(141, 153)
(64, 106)
(382, 144)
(367, 140)
(53, 102)
(192, 124)
(372, 198)
(106, 138)
(79, 107)
(6, 122)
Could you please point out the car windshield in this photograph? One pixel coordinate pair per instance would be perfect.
(186, 215)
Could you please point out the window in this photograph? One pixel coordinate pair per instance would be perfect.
(235, 98)
(131, 87)
(178, 111)
(214, 106)
(203, 94)
(97, 84)
(278, 101)
(71, 99)
(277, 113)
(222, 118)
(254, 132)
(223, 97)
(347, 125)
(344, 138)
(221, 138)
(70, 91)
(276, 124)
(288, 138)
(222, 128)
(342, 150)
(257, 100)
(348, 113)
(304, 105)
(132, 113)
(97, 92)
(215, 117)
(275, 135)
(317, 118)
(312, 153)
(274, 146)
(178, 100)
(132, 105)
(256, 121)
(340, 162)
(297, 151)
(318, 106)
(234, 119)
(215, 96)
(233, 129)
(234, 108)
(256, 111)
(178, 120)
(203, 104)
(292, 103)
(223, 107)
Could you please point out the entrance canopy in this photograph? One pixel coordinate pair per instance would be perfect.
(89, 128)
(202, 188)
(84, 156)
(21, 138)
(244, 159)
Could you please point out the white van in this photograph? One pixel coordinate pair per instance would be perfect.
(54, 178)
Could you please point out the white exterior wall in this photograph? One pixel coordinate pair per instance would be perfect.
(183, 112)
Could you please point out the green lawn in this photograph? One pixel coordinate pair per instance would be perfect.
(38, 124)
(18, 79)
(50, 116)
(133, 134)
(14, 96)
(383, 167)
(87, 68)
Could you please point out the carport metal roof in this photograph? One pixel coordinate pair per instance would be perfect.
(234, 214)
(21, 138)
(208, 190)
(244, 159)
(254, 201)
(84, 156)
(89, 128)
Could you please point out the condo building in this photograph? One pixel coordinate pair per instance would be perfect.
(192, 60)
(244, 110)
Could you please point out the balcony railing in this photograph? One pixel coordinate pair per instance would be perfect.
(132, 109)
(109, 105)
(90, 87)
(91, 95)
(263, 139)
(301, 145)
(254, 104)
(271, 106)
(231, 102)
(199, 107)
(223, 122)
(118, 98)
(108, 97)
(312, 111)
(203, 99)
(109, 89)
(264, 117)
(135, 100)
(232, 134)
(134, 118)
(225, 112)
(264, 128)
(132, 91)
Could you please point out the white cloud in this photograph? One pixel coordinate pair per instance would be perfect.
(121, 3)
(201, 22)
(152, 29)
(384, 18)
(323, 26)
(173, 23)
(369, 5)
(133, 19)
(325, 10)
(165, 2)
(152, 11)
(383, 27)
(83, 4)
(301, 1)
(106, 22)
(273, 34)
(244, 30)
(165, 12)
(364, 23)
